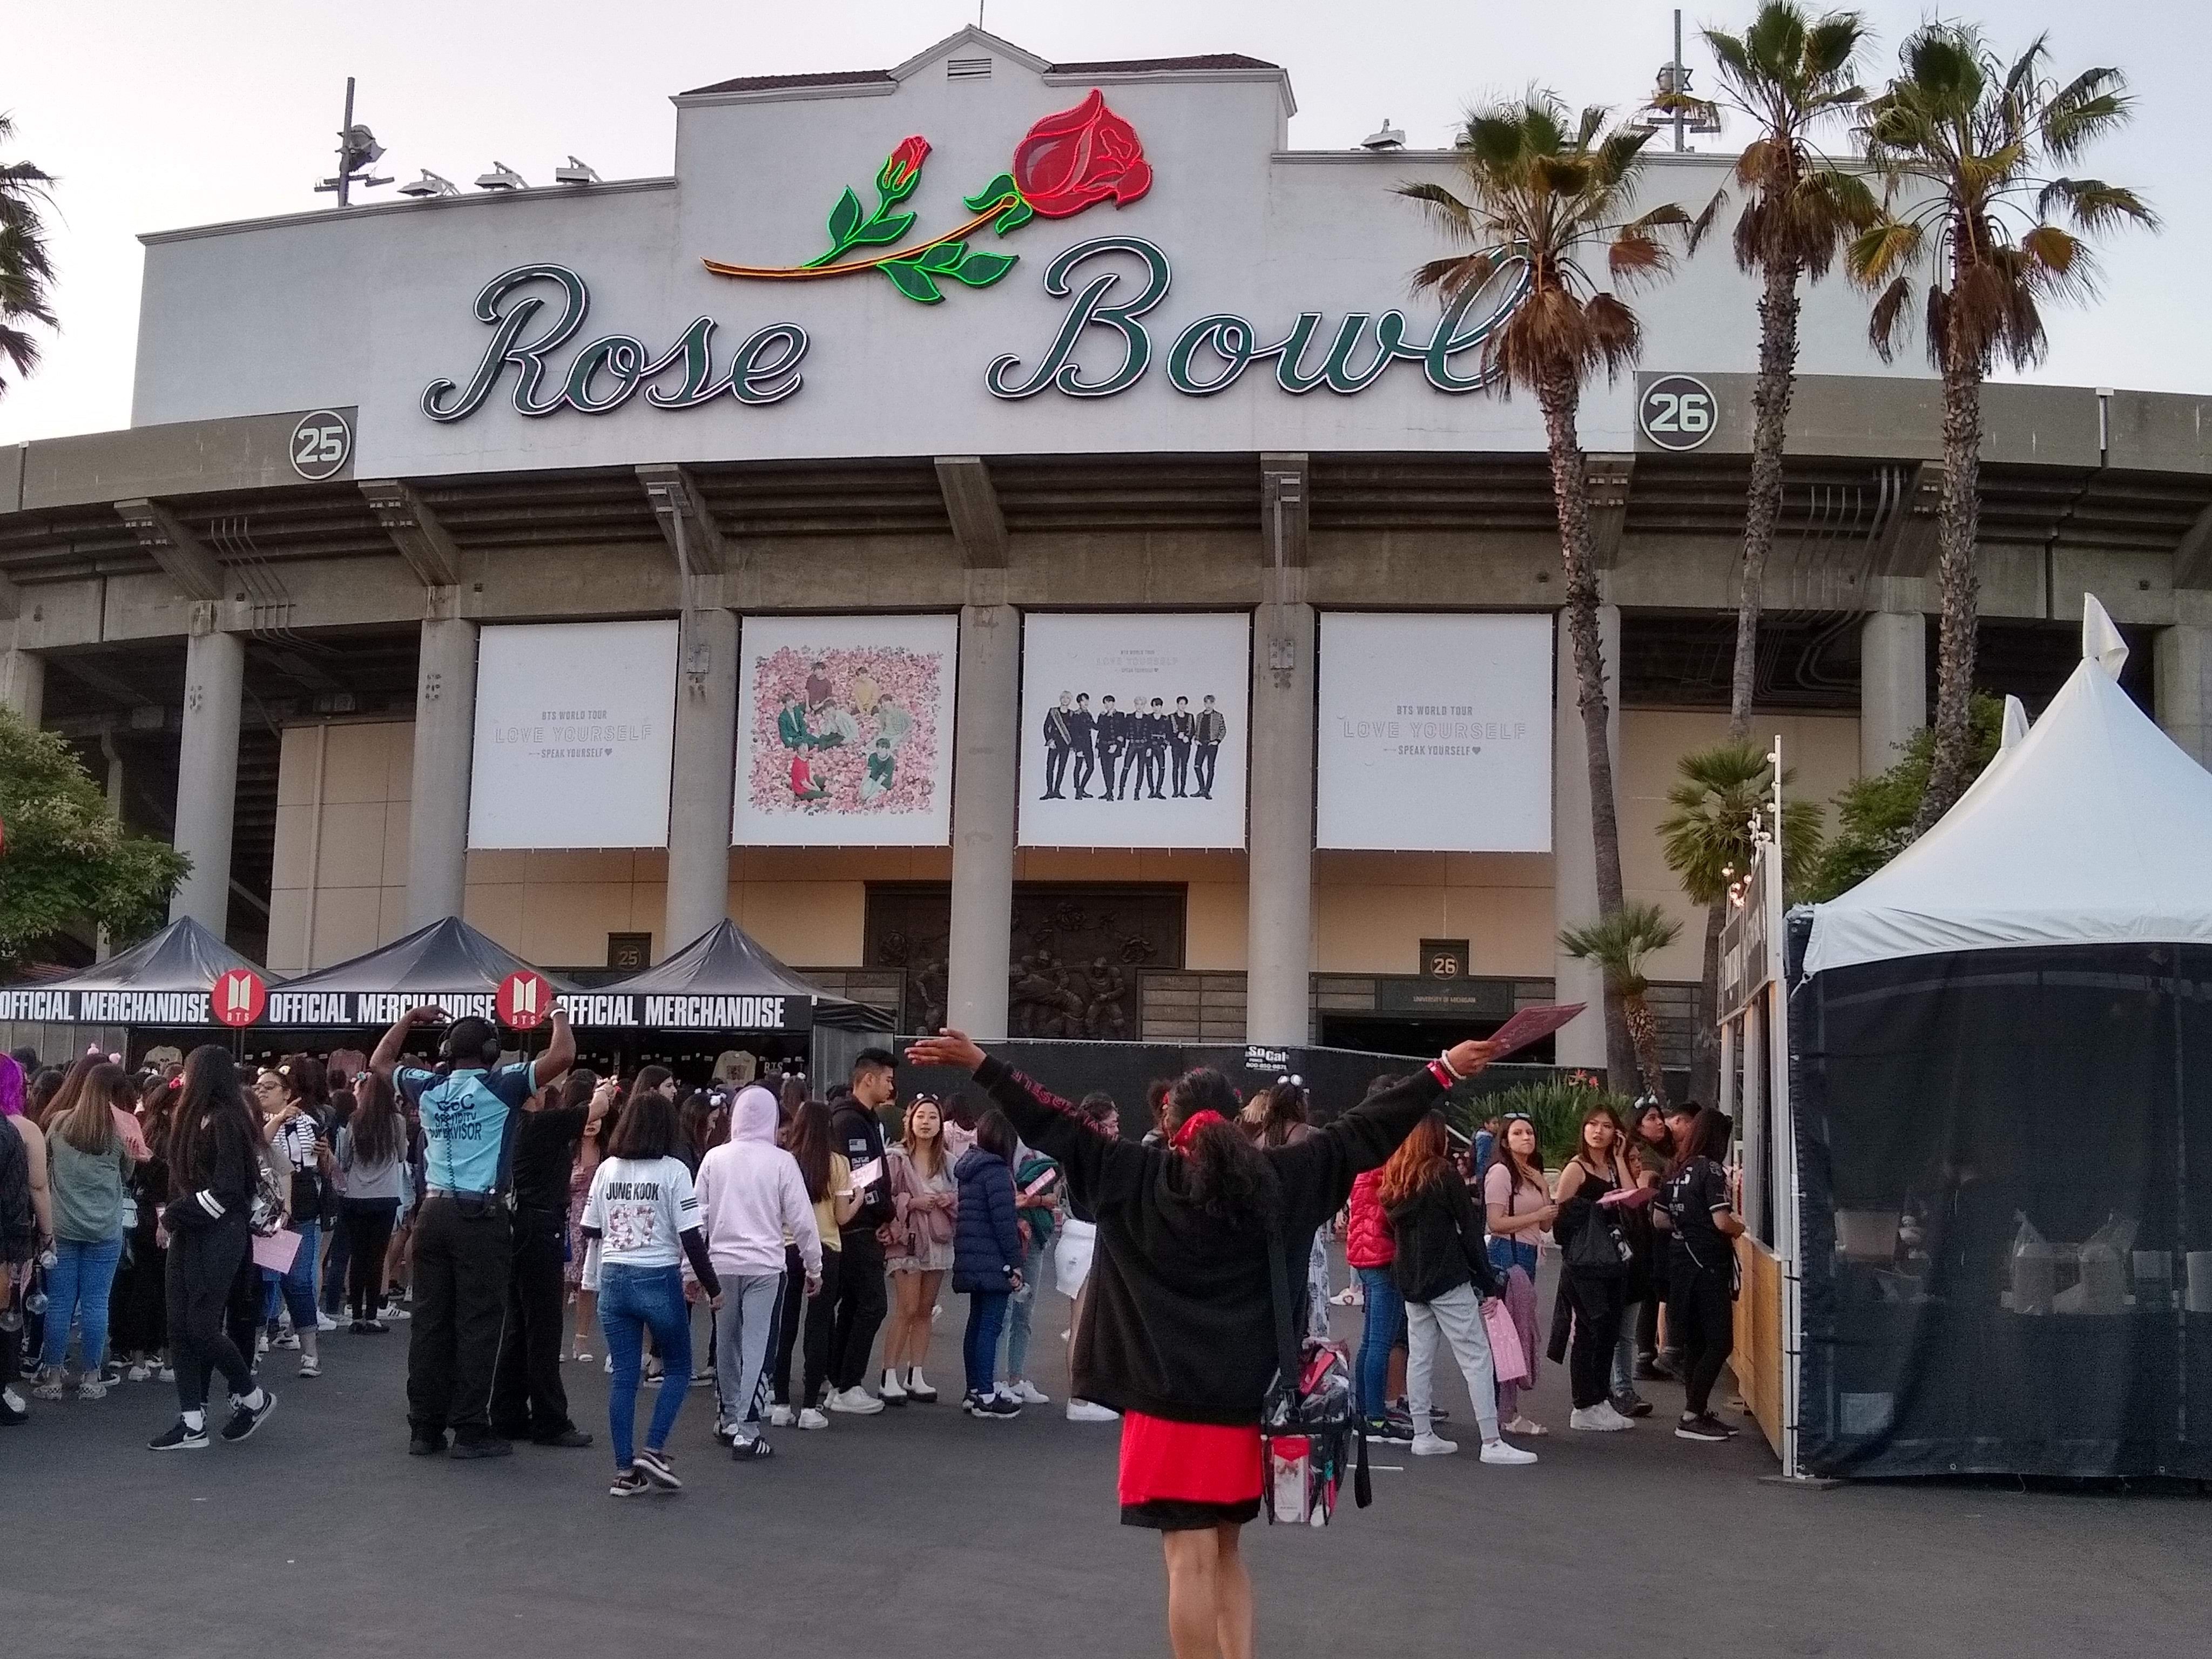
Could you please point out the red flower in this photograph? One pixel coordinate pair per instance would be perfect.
(906, 161)
(1079, 156)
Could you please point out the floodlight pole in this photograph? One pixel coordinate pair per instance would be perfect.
(345, 127)
(1676, 89)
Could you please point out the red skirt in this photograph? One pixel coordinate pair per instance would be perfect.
(1181, 1476)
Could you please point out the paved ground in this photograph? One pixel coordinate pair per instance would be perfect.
(923, 1533)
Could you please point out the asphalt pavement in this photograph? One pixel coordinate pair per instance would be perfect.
(921, 1532)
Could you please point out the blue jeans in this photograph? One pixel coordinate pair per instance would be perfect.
(632, 1300)
(1386, 1329)
(1020, 1311)
(76, 1288)
(295, 1285)
(986, 1312)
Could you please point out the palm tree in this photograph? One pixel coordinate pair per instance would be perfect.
(1545, 194)
(1724, 798)
(1962, 144)
(25, 266)
(1620, 943)
(1788, 73)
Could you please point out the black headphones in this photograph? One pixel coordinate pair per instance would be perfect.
(488, 1056)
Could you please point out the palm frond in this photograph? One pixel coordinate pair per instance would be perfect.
(2095, 205)
(1619, 943)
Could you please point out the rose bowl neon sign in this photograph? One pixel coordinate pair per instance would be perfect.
(1066, 163)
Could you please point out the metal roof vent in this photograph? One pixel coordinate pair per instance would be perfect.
(967, 69)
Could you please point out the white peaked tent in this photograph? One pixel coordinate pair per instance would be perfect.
(2093, 829)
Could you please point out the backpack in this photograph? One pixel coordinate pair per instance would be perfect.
(19, 1226)
(1309, 1433)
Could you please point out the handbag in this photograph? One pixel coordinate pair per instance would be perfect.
(1308, 1431)
(1506, 1358)
(1600, 1249)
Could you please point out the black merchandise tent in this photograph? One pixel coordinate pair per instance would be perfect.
(159, 992)
(724, 983)
(2001, 1055)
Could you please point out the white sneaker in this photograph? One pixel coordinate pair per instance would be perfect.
(1028, 1392)
(323, 1322)
(1497, 1451)
(1620, 1420)
(1083, 1411)
(1599, 1420)
(139, 1372)
(855, 1401)
(779, 1417)
(811, 1419)
(1435, 1445)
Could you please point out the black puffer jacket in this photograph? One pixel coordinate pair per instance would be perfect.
(1180, 1323)
(1439, 1239)
(214, 1182)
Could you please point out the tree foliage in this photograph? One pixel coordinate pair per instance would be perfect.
(1874, 816)
(26, 266)
(1707, 838)
(68, 859)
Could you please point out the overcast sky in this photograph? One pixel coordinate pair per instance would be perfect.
(158, 115)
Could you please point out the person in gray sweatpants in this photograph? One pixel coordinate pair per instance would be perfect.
(751, 1196)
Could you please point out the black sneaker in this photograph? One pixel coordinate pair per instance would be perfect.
(629, 1484)
(1649, 1368)
(488, 1445)
(426, 1445)
(570, 1436)
(1390, 1428)
(991, 1407)
(1706, 1427)
(244, 1419)
(656, 1467)
(1629, 1403)
(179, 1437)
(749, 1450)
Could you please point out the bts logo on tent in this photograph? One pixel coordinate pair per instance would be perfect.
(238, 998)
(525, 999)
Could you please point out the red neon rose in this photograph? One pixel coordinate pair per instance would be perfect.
(906, 161)
(1079, 156)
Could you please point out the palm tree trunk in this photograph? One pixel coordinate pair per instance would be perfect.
(1558, 396)
(1644, 1032)
(1705, 1041)
(1960, 579)
(1777, 371)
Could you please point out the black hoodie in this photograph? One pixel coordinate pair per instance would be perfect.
(1180, 1323)
(1439, 1241)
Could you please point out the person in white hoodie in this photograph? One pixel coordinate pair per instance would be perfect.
(750, 1195)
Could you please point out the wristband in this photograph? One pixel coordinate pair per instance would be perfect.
(1443, 1074)
(1444, 1061)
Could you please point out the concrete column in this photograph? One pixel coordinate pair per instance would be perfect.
(2183, 667)
(445, 750)
(1279, 954)
(1893, 686)
(207, 772)
(706, 767)
(23, 683)
(986, 763)
(1574, 849)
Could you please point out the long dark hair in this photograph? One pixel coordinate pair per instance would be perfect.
(1230, 1179)
(994, 1133)
(808, 1141)
(62, 1099)
(376, 1131)
(210, 1095)
(1708, 1137)
(649, 1125)
(1529, 1172)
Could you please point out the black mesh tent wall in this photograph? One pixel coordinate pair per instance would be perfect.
(1998, 1213)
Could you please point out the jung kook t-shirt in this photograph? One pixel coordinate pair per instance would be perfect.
(641, 1207)
(466, 1116)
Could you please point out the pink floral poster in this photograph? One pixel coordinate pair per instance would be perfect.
(845, 732)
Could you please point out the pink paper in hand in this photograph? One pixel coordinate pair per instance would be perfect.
(1532, 1026)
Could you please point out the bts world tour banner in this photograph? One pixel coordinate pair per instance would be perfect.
(575, 735)
(1435, 733)
(845, 732)
(1133, 730)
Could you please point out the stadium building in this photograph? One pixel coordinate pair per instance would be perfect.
(595, 560)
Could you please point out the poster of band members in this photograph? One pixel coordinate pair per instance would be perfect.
(845, 732)
(575, 732)
(1133, 730)
(1435, 733)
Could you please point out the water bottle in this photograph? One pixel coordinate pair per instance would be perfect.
(50, 1258)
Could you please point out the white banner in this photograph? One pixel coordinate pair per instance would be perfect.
(845, 732)
(1133, 730)
(575, 735)
(1436, 733)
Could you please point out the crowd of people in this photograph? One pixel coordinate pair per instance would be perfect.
(179, 1223)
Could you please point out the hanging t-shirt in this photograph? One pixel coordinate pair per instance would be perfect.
(1692, 1194)
(467, 1117)
(641, 1208)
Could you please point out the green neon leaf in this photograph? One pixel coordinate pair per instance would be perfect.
(980, 270)
(945, 258)
(844, 220)
(895, 189)
(1018, 212)
(994, 192)
(912, 281)
(882, 230)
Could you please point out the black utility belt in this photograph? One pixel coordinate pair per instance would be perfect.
(473, 1204)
